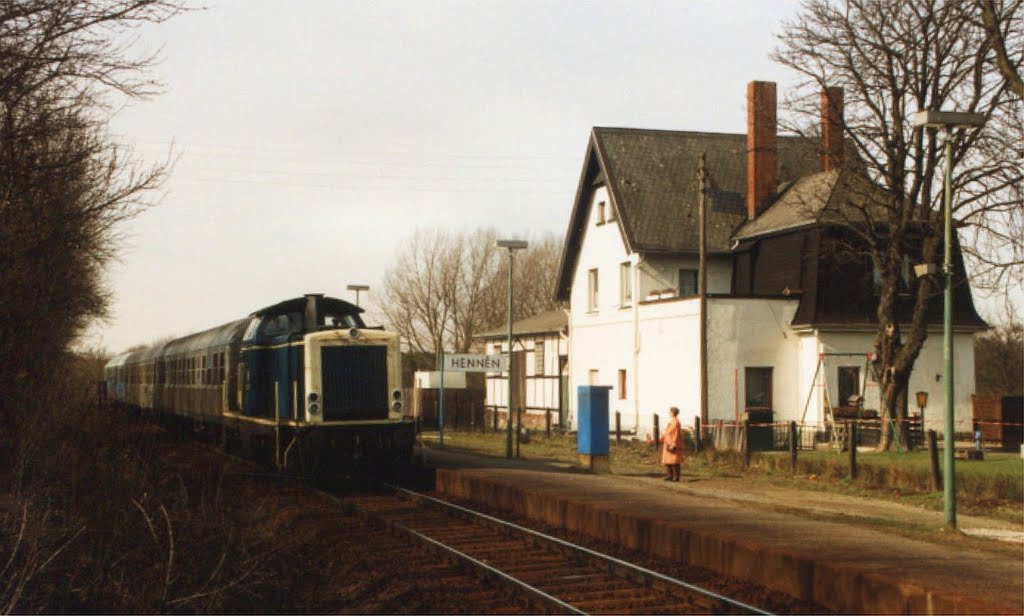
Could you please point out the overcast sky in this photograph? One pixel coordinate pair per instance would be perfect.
(313, 138)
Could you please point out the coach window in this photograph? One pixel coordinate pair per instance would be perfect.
(538, 357)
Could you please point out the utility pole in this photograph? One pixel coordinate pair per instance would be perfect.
(702, 282)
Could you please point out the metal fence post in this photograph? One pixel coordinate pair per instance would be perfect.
(933, 456)
(519, 427)
(657, 431)
(792, 446)
(746, 443)
(851, 439)
(618, 427)
(698, 437)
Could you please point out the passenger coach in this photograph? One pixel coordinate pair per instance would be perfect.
(303, 383)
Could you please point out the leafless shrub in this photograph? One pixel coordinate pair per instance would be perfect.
(95, 521)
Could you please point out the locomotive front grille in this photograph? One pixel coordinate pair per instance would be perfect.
(355, 382)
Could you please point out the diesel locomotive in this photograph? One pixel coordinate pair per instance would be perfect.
(304, 384)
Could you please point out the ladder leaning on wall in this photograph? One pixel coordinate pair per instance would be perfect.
(837, 432)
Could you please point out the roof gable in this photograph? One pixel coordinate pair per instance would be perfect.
(836, 197)
(652, 185)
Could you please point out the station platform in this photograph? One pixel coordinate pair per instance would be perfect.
(848, 568)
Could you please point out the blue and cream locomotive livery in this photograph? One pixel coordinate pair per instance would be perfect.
(303, 383)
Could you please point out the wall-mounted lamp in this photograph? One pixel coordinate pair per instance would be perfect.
(925, 269)
(922, 401)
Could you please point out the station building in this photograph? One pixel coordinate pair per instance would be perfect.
(789, 318)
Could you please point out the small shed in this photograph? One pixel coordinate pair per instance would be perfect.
(540, 361)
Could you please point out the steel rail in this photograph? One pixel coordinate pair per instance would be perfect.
(611, 560)
(535, 592)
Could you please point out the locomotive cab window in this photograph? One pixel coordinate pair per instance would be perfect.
(346, 321)
(281, 324)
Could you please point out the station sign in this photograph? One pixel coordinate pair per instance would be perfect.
(462, 362)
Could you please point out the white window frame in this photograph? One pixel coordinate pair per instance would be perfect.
(592, 290)
(625, 284)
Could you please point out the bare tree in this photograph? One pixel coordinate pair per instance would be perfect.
(999, 360)
(446, 288)
(996, 17)
(893, 59)
(64, 184)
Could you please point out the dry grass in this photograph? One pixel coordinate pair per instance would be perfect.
(92, 521)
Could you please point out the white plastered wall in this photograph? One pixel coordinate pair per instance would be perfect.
(745, 332)
(926, 375)
(600, 339)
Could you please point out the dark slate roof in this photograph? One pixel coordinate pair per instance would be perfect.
(651, 180)
(824, 197)
(544, 323)
(799, 205)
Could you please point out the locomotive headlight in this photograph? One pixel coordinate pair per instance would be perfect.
(314, 408)
(396, 399)
(397, 405)
(314, 397)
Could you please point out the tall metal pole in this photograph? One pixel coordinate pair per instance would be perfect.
(948, 120)
(949, 484)
(508, 431)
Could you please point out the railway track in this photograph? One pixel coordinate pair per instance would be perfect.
(552, 574)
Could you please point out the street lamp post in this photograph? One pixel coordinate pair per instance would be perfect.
(357, 288)
(511, 246)
(947, 121)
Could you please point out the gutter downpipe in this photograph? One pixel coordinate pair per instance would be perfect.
(636, 346)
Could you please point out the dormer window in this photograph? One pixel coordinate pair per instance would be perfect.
(600, 212)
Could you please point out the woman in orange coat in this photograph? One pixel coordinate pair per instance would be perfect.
(672, 449)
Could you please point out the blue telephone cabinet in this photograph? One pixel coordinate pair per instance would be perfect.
(592, 416)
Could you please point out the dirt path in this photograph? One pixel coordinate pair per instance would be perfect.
(853, 509)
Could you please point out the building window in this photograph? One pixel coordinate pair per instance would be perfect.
(538, 357)
(625, 285)
(592, 290)
(758, 388)
(600, 212)
(622, 384)
(592, 377)
(876, 276)
(687, 282)
(849, 384)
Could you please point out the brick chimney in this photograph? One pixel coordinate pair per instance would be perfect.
(831, 128)
(762, 153)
